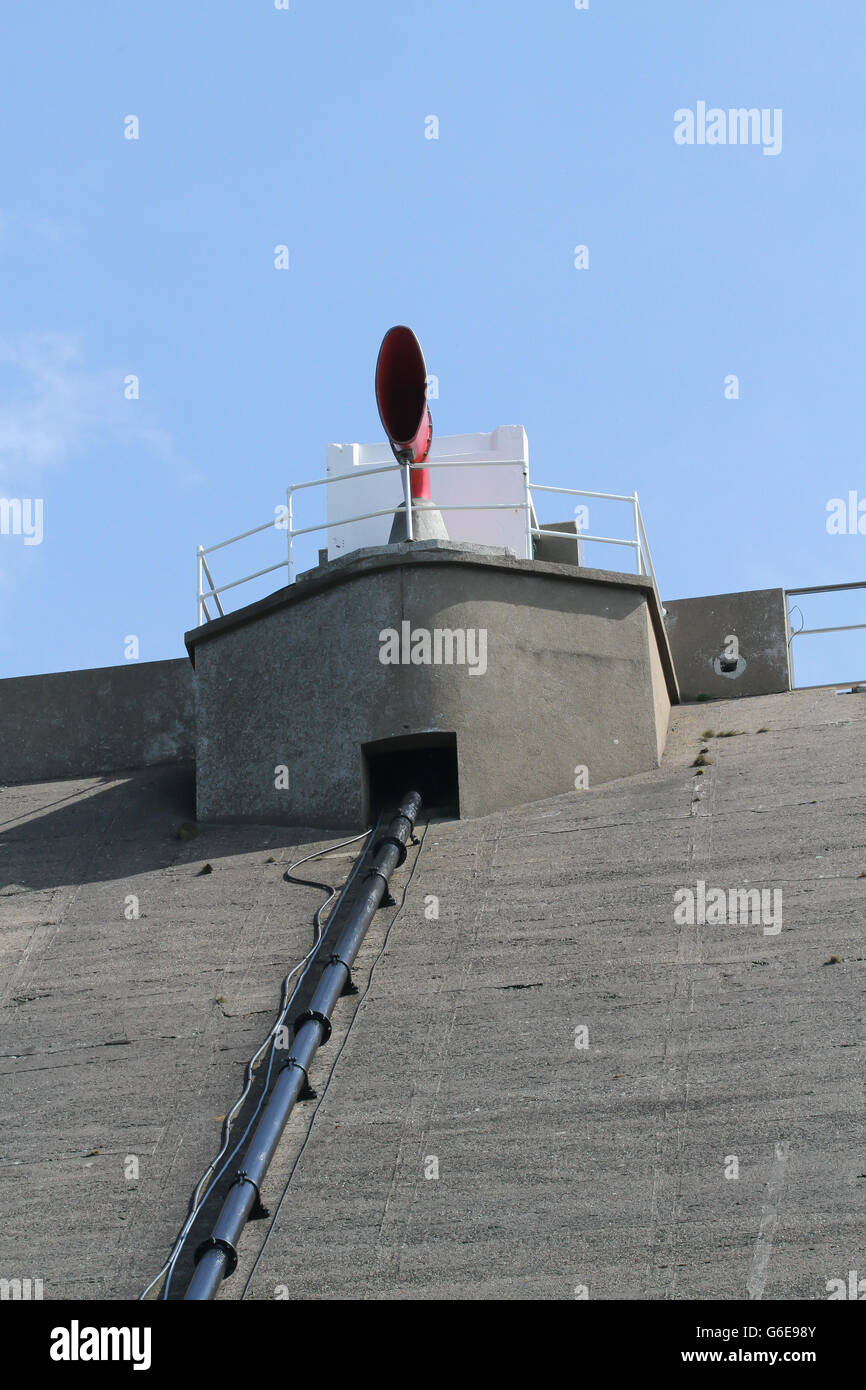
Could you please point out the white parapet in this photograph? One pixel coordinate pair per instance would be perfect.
(493, 471)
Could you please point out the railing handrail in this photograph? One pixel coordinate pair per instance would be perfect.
(579, 536)
(826, 588)
(638, 542)
(645, 544)
(583, 492)
(814, 631)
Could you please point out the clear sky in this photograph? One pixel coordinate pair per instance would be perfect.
(308, 127)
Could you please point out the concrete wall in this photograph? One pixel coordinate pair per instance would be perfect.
(297, 681)
(81, 723)
(660, 692)
(698, 629)
(555, 549)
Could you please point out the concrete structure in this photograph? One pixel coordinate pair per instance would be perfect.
(539, 1088)
(428, 523)
(557, 549)
(699, 630)
(78, 723)
(295, 705)
(558, 1166)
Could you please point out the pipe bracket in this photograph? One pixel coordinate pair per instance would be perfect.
(391, 840)
(313, 1016)
(259, 1210)
(306, 1092)
(215, 1243)
(388, 899)
(349, 987)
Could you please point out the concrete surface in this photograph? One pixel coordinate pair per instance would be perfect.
(428, 523)
(120, 1038)
(605, 1167)
(699, 628)
(559, 1167)
(556, 548)
(568, 681)
(80, 723)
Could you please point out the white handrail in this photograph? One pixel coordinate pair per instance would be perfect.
(582, 492)
(582, 536)
(645, 544)
(220, 545)
(638, 542)
(814, 631)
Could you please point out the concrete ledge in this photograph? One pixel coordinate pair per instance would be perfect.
(81, 723)
(374, 558)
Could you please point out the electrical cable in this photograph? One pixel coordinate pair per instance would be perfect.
(199, 1198)
(343, 1043)
(796, 609)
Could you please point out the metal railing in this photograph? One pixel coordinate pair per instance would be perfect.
(791, 633)
(207, 589)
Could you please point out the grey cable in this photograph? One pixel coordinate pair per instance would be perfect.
(199, 1198)
(336, 1060)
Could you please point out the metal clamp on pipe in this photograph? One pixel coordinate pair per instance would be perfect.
(306, 1092)
(313, 1016)
(225, 1247)
(259, 1209)
(392, 840)
(349, 987)
(386, 899)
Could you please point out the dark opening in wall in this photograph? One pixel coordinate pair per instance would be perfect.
(413, 762)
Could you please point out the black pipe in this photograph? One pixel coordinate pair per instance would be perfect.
(217, 1257)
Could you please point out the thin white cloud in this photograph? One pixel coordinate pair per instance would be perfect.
(54, 406)
(21, 232)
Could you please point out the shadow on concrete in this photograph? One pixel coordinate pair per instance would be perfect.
(108, 828)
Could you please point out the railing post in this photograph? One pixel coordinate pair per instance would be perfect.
(650, 567)
(528, 511)
(199, 557)
(637, 543)
(580, 550)
(789, 641)
(290, 519)
(407, 490)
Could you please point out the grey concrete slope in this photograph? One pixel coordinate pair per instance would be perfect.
(562, 1168)
(559, 1167)
(123, 1041)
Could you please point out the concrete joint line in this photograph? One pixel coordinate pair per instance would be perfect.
(769, 1220)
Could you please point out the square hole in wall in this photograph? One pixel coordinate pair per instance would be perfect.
(426, 763)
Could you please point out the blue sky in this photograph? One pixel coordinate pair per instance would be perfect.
(306, 127)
